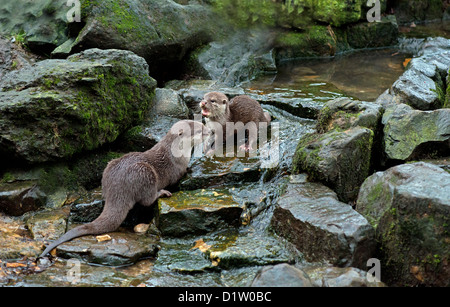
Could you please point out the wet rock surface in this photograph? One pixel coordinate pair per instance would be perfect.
(310, 216)
(413, 134)
(197, 212)
(408, 206)
(118, 249)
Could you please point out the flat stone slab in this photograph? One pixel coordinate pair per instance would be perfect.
(120, 249)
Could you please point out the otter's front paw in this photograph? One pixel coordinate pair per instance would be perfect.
(164, 193)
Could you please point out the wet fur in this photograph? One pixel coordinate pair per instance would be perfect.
(137, 177)
(217, 108)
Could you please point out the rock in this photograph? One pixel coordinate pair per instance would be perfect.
(315, 41)
(42, 25)
(48, 225)
(412, 134)
(162, 32)
(310, 216)
(51, 110)
(122, 249)
(373, 34)
(13, 57)
(422, 85)
(339, 159)
(300, 107)
(297, 14)
(410, 11)
(281, 275)
(417, 89)
(197, 212)
(344, 113)
(325, 276)
(15, 240)
(409, 207)
(217, 171)
(19, 197)
(249, 250)
(239, 58)
(179, 255)
(168, 102)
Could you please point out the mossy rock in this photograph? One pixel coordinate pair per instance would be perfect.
(412, 134)
(409, 207)
(339, 159)
(314, 41)
(290, 14)
(58, 108)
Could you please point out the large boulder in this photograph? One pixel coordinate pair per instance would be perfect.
(160, 31)
(412, 134)
(409, 206)
(57, 108)
(324, 229)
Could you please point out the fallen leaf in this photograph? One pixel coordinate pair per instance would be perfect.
(201, 245)
(103, 238)
(406, 61)
(16, 265)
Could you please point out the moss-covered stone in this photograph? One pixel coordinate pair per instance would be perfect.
(339, 159)
(409, 207)
(290, 14)
(412, 134)
(58, 108)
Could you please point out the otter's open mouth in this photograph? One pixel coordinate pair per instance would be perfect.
(205, 112)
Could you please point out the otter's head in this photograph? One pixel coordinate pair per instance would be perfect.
(214, 105)
(189, 130)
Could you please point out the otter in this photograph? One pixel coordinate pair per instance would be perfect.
(218, 111)
(140, 177)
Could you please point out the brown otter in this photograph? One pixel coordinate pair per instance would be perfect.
(219, 111)
(139, 177)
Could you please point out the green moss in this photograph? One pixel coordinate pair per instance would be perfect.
(305, 158)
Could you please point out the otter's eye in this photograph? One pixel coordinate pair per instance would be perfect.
(213, 101)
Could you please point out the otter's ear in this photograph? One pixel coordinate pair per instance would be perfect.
(224, 101)
(180, 132)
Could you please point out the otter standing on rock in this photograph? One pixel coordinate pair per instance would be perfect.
(218, 111)
(139, 177)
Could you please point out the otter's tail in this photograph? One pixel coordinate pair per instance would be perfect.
(109, 220)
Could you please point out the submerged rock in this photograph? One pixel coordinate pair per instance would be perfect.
(412, 134)
(409, 206)
(57, 108)
(310, 216)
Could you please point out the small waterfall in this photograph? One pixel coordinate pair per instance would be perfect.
(239, 58)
